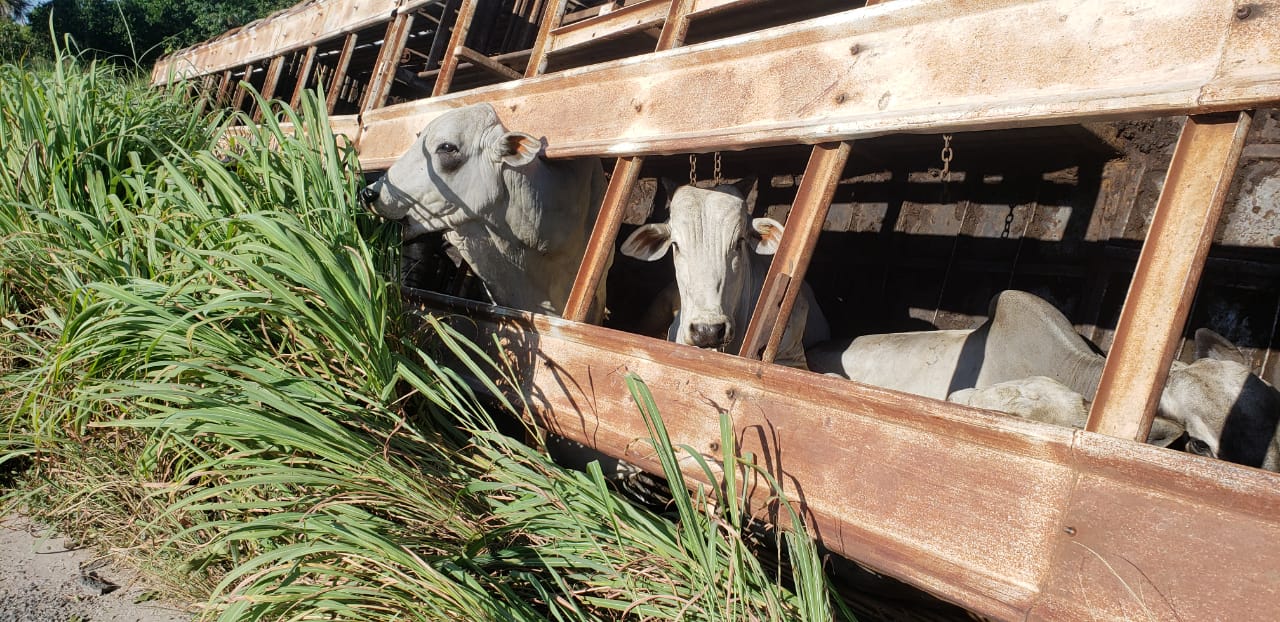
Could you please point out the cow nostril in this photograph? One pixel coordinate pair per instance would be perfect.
(707, 335)
(368, 195)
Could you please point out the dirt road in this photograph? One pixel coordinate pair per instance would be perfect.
(41, 580)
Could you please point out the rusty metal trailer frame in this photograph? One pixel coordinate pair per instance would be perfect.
(1010, 519)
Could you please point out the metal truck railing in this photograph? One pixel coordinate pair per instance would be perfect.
(1008, 518)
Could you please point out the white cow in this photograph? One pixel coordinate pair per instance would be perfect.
(1038, 398)
(719, 254)
(1226, 411)
(520, 220)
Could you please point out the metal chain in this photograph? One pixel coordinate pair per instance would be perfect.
(716, 178)
(1008, 223)
(693, 169)
(947, 154)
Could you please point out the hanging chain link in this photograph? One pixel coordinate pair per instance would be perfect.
(715, 176)
(1008, 224)
(947, 154)
(693, 169)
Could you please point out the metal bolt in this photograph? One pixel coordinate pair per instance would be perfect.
(1071, 531)
(854, 49)
(1244, 11)
(715, 446)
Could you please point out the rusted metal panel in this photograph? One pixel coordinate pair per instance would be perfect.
(1003, 516)
(846, 76)
(1169, 267)
(1143, 539)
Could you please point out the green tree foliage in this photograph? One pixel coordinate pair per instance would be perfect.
(145, 29)
(18, 42)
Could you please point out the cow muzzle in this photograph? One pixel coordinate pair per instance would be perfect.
(368, 196)
(713, 335)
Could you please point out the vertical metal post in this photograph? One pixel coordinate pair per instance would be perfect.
(786, 272)
(600, 247)
(1165, 278)
(384, 70)
(224, 88)
(676, 27)
(551, 16)
(340, 72)
(626, 172)
(237, 100)
(449, 64)
(269, 84)
(304, 75)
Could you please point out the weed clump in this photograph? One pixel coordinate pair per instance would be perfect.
(204, 361)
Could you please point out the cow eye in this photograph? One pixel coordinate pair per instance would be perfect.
(449, 157)
(1199, 447)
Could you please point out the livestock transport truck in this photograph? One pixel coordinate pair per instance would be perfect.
(1118, 158)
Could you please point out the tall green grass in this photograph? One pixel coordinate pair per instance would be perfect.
(203, 359)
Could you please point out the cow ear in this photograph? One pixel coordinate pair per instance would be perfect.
(1163, 432)
(1214, 346)
(766, 234)
(649, 242)
(517, 149)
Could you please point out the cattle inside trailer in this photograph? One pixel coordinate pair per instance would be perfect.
(924, 155)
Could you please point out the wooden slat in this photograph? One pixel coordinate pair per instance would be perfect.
(449, 64)
(786, 271)
(304, 75)
(340, 71)
(864, 77)
(1150, 327)
(600, 247)
(384, 70)
(966, 504)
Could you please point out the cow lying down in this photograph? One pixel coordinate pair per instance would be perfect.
(720, 255)
(1225, 410)
(520, 220)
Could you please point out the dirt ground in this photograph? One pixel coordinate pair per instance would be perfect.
(41, 580)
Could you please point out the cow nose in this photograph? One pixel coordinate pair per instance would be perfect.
(368, 195)
(707, 335)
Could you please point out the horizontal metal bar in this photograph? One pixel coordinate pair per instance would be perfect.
(291, 29)
(892, 68)
(966, 504)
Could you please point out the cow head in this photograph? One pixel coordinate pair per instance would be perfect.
(711, 238)
(1226, 410)
(453, 173)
